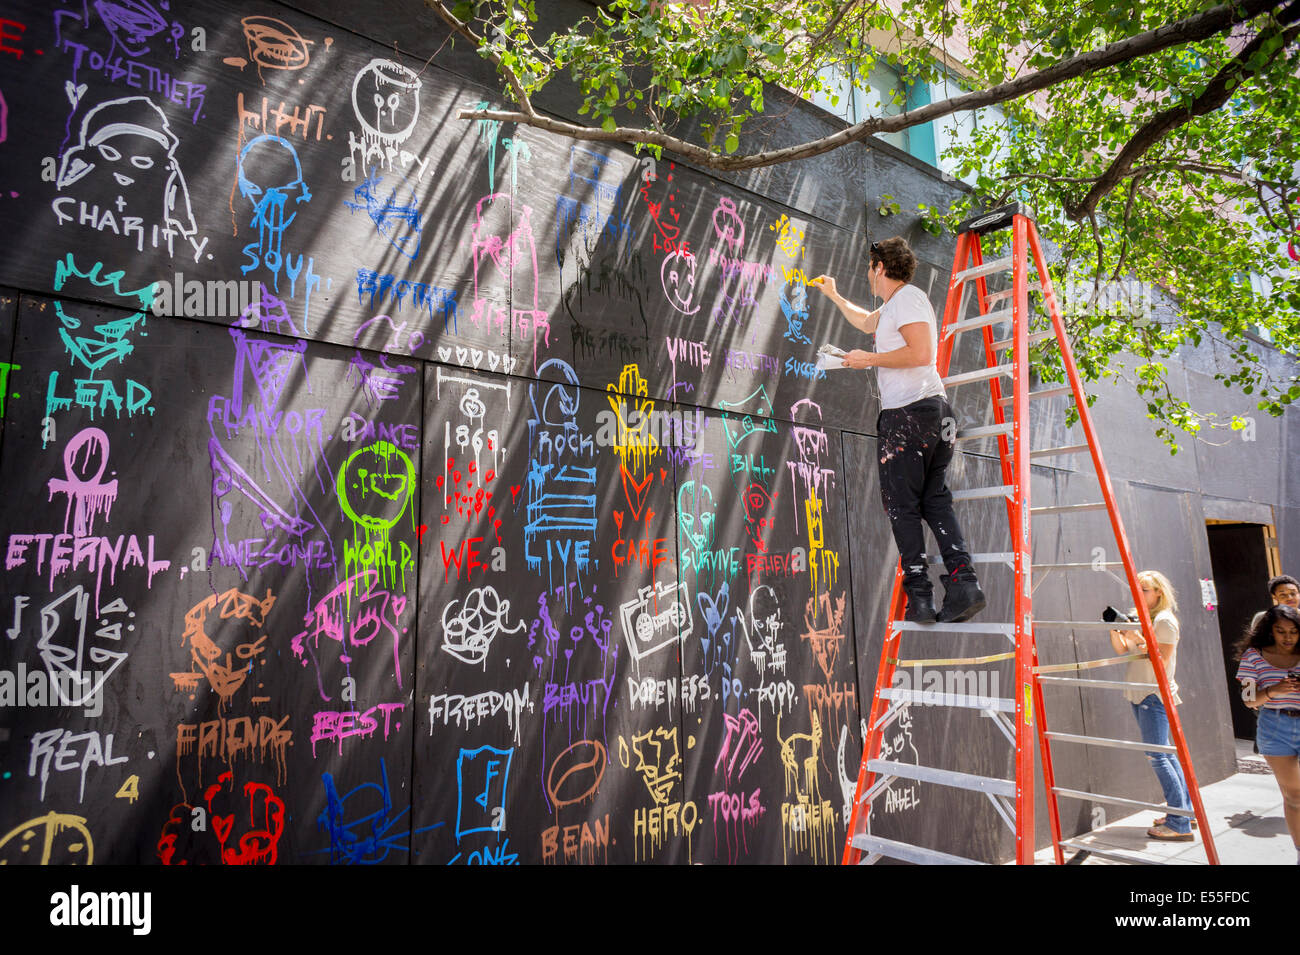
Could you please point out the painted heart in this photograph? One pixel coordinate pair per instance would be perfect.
(461, 355)
(618, 520)
(477, 356)
(444, 353)
(715, 611)
(493, 360)
(636, 495)
(74, 92)
(222, 825)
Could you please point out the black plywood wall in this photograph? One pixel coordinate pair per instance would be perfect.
(387, 487)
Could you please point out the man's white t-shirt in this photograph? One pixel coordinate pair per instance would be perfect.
(902, 386)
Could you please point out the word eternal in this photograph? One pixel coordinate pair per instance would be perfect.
(68, 553)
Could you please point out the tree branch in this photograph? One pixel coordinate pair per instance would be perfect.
(1193, 28)
(1216, 93)
(1209, 169)
(1123, 227)
(1101, 261)
(463, 29)
(833, 22)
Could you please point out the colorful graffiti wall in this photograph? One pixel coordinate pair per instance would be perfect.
(386, 487)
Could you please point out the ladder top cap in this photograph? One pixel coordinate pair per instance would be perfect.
(993, 221)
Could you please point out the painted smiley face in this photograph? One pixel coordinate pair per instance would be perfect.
(386, 100)
(678, 278)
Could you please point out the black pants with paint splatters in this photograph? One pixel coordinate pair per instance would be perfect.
(914, 459)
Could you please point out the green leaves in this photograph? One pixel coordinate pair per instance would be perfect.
(1209, 201)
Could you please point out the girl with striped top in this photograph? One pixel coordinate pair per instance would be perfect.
(1270, 675)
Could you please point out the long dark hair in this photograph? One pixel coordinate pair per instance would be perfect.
(1261, 635)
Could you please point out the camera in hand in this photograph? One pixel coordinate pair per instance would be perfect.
(1111, 615)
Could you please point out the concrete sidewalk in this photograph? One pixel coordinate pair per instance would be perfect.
(1246, 820)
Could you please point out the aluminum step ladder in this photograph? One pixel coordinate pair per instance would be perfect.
(1021, 716)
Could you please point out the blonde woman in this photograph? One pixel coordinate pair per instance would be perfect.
(1149, 710)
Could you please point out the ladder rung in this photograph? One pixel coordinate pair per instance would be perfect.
(979, 271)
(1109, 853)
(996, 557)
(1004, 629)
(1112, 743)
(1042, 669)
(944, 777)
(957, 700)
(982, 374)
(1121, 801)
(978, 493)
(979, 321)
(1097, 684)
(1065, 449)
(1041, 393)
(996, 297)
(1034, 338)
(1082, 566)
(914, 854)
(987, 431)
(1088, 624)
(1065, 508)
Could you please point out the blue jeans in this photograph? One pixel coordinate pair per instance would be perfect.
(1278, 734)
(1153, 723)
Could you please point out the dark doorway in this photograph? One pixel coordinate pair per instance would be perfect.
(1239, 557)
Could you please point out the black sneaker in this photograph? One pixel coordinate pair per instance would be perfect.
(920, 601)
(920, 608)
(962, 599)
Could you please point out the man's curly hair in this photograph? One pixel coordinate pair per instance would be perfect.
(900, 261)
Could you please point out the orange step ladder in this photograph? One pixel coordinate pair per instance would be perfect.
(1021, 716)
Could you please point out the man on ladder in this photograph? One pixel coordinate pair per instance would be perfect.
(916, 431)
